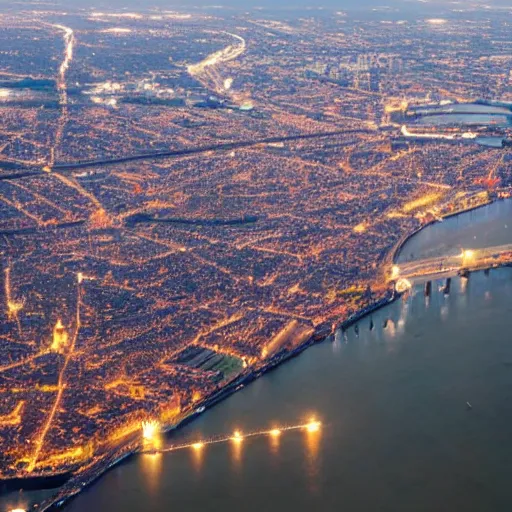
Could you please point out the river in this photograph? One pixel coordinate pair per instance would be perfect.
(397, 432)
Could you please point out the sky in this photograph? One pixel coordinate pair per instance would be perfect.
(404, 5)
(247, 4)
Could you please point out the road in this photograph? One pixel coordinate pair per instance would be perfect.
(227, 146)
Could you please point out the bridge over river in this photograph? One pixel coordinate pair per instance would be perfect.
(447, 265)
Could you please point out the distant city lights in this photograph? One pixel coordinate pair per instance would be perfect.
(161, 250)
(437, 21)
(117, 30)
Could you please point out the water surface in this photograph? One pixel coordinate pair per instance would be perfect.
(484, 227)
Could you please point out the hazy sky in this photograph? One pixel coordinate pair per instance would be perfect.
(404, 5)
(245, 4)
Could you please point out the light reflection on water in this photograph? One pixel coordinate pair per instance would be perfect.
(274, 442)
(237, 446)
(198, 454)
(151, 469)
(312, 439)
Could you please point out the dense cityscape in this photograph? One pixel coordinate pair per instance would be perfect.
(187, 198)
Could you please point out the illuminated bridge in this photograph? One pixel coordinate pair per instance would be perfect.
(470, 259)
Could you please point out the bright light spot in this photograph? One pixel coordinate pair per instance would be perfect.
(80, 277)
(360, 228)
(395, 272)
(60, 337)
(116, 30)
(237, 436)
(18, 510)
(437, 21)
(198, 446)
(14, 307)
(468, 254)
(313, 426)
(5, 93)
(131, 15)
(247, 106)
(228, 83)
(403, 285)
(275, 432)
(150, 429)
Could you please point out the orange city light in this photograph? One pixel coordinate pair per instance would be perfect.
(275, 432)
(150, 429)
(237, 436)
(313, 426)
(198, 446)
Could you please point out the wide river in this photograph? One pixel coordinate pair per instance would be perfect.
(416, 416)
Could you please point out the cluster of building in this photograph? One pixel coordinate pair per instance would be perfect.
(105, 322)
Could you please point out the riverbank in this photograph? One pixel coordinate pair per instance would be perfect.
(397, 250)
(84, 479)
(132, 446)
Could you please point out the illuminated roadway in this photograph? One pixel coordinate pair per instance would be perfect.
(470, 259)
(206, 71)
(39, 441)
(200, 149)
(227, 146)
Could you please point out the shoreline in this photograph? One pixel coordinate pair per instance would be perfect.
(79, 481)
(65, 495)
(396, 251)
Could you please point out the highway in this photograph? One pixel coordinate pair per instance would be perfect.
(226, 146)
(66, 167)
